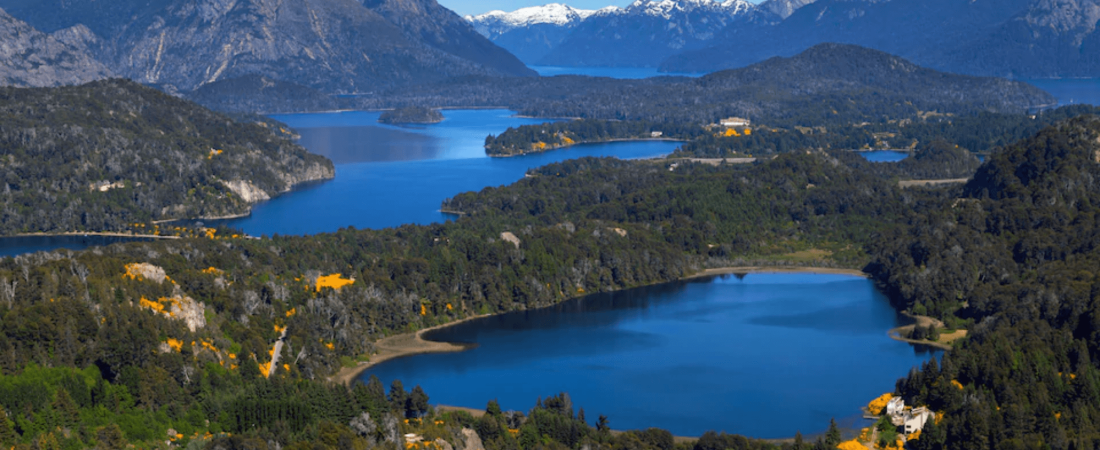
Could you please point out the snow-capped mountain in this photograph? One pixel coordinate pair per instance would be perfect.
(530, 33)
(495, 23)
(668, 8)
(641, 34)
(646, 32)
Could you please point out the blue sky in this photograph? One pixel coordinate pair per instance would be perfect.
(464, 7)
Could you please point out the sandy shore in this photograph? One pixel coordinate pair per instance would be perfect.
(776, 269)
(400, 345)
(924, 321)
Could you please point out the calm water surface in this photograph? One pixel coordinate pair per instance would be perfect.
(763, 355)
(1071, 91)
(884, 155)
(12, 246)
(388, 176)
(610, 72)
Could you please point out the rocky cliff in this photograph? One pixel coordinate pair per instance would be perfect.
(29, 57)
(334, 46)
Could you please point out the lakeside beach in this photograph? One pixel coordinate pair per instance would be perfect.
(400, 345)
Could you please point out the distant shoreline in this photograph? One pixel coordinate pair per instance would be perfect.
(776, 269)
(90, 233)
(605, 141)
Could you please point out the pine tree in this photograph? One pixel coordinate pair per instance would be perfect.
(417, 403)
(832, 437)
(66, 408)
(110, 438)
(397, 395)
(7, 430)
(47, 442)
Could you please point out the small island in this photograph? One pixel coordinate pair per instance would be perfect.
(411, 114)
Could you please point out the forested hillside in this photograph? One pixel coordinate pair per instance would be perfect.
(170, 334)
(105, 155)
(827, 84)
(1015, 257)
(121, 344)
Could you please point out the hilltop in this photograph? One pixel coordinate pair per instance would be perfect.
(104, 155)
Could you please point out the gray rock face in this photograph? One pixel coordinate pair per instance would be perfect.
(784, 8)
(471, 441)
(334, 46)
(30, 58)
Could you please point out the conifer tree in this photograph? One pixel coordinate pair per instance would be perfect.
(832, 437)
(7, 430)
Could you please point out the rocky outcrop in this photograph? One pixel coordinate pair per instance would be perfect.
(30, 58)
(247, 191)
(471, 441)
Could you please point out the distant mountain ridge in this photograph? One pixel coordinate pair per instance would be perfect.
(1008, 38)
(31, 58)
(530, 33)
(640, 35)
(646, 32)
(334, 46)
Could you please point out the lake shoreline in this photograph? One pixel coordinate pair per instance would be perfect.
(776, 269)
(414, 343)
(579, 143)
(90, 233)
(402, 345)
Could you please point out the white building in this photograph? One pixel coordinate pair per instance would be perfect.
(895, 407)
(915, 419)
(735, 122)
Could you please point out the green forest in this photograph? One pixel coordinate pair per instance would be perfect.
(106, 155)
(171, 343)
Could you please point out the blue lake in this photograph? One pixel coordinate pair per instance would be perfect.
(18, 245)
(388, 175)
(763, 355)
(884, 155)
(609, 72)
(1070, 91)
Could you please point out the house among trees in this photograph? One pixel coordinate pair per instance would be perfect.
(895, 407)
(911, 419)
(735, 122)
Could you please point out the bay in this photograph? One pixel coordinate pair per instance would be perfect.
(1071, 91)
(762, 355)
(18, 245)
(393, 175)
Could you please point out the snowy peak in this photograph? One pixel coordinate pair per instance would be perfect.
(498, 22)
(668, 8)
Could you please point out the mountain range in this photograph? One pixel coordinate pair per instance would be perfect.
(334, 46)
(1012, 38)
